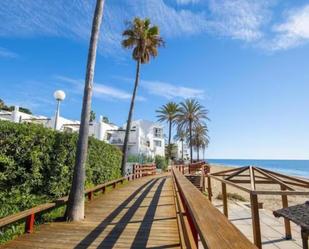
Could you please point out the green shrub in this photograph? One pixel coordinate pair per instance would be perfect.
(161, 162)
(36, 165)
(232, 196)
(142, 159)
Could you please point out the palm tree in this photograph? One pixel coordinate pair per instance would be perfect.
(181, 136)
(191, 114)
(168, 113)
(144, 39)
(200, 138)
(75, 207)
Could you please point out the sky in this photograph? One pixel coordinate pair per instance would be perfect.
(246, 61)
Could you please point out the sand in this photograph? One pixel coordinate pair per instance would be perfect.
(270, 202)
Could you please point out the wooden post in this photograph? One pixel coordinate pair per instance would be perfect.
(114, 185)
(255, 220)
(224, 199)
(287, 225)
(133, 172)
(304, 237)
(29, 224)
(90, 195)
(103, 190)
(209, 188)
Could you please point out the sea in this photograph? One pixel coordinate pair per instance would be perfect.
(289, 167)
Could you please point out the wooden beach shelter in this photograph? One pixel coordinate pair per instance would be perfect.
(247, 179)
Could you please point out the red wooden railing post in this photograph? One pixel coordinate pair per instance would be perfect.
(133, 172)
(90, 195)
(29, 223)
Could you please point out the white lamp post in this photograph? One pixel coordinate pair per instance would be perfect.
(59, 95)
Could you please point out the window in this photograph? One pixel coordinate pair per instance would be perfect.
(157, 132)
(157, 143)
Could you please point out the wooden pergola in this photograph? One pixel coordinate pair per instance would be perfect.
(247, 178)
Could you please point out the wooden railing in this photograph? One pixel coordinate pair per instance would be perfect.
(199, 219)
(140, 170)
(29, 214)
(194, 167)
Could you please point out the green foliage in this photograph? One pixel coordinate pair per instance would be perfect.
(92, 116)
(161, 162)
(139, 159)
(144, 38)
(171, 151)
(36, 165)
(232, 196)
(4, 107)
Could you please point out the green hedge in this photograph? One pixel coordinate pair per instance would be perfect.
(36, 165)
(161, 162)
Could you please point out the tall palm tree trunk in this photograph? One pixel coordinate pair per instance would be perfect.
(169, 139)
(203, 153)
(198, 153)
(127, 134)
(182, 150)
(190, 137)
(75, 207)
(169, 132)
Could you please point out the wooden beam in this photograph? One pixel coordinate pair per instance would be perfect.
(227, 171)
(231, 183)
(236, 173)
(224, 199)
(255, 220)
(209, 188)
(252, 178)
(275, 179)
(288, 177)
(280, 192)
(287, 225)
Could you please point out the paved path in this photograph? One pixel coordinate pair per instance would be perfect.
(272, 228)
(140, 214)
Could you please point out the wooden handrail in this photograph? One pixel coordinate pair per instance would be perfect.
(29, 214)
(206, 221)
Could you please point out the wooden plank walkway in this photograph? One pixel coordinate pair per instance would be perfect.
(140, 214)
(272, 228)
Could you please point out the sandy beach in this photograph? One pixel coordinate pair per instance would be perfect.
(270, 202)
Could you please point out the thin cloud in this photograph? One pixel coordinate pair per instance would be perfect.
(237, 19)
(7, 53)
(293, 32)
(100, 90)
(170, 91)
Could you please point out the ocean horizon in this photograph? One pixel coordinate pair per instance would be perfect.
(289, 167)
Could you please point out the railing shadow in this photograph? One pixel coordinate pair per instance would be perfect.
(143, 232)
(91, 237)
(111, 239)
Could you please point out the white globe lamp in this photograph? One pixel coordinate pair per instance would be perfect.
(59, 95)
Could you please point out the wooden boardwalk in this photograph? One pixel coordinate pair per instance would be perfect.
(140, 214)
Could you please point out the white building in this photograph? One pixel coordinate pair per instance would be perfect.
(146, 138)
(21, 117)
(185, 148)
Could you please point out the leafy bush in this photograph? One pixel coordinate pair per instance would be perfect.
(161, 162)
(232, 196)
(142, 159)
(36, 165)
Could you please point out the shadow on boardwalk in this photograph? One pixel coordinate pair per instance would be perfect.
(143, 232)
(140, 214)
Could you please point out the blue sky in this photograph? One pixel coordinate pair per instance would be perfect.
(246, 61)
